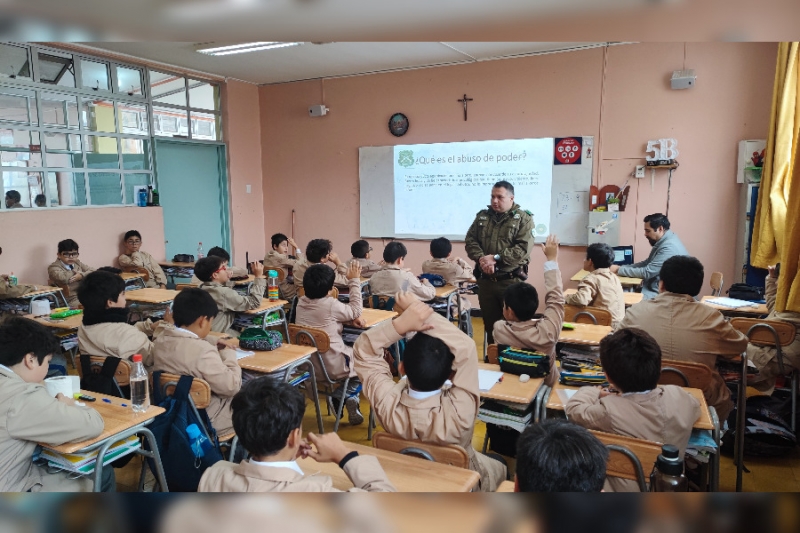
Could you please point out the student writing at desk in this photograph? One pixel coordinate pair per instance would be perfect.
(601, 288)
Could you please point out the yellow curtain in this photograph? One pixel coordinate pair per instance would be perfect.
(776, 230)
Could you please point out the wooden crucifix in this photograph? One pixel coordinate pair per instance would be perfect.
(465, 100)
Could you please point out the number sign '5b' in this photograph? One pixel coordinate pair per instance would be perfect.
(662, 149)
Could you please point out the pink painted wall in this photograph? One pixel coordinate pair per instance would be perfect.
(312, 163)
(30, 237)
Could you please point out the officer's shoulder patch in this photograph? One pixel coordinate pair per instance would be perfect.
(528, 212)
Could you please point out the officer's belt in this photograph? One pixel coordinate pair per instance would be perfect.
(500, 276)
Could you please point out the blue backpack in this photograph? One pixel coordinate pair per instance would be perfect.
(182, 469)
(435, 279)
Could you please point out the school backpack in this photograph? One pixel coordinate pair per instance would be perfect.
(435, 279)
(182, 469)
(103, 381)
(743, 291)
(766, 434)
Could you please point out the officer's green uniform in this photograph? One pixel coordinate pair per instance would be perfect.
(509, 235)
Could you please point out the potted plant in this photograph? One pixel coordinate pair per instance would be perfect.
(613, 204)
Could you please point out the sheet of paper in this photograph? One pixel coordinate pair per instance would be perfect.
(487, 379)
(241, 354)
(565, 394)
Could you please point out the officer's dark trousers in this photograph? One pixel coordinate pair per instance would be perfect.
(490, 298)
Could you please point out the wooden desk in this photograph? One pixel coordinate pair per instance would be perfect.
(506, 486)
(408, 474)
(71, 322)
(445, 291)
(43, 291)
(626, 282)
(511, 389)
(151, 296)
(631, 298)
(376, 316)
(584, 334)
(275, 360)
(756, 311)
(265, 307)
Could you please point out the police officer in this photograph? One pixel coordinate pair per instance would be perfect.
(500, 242)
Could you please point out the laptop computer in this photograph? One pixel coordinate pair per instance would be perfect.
(623, 255)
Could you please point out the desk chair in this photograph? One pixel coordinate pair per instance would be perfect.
(386, 303)
(293, 311)
(587, 315)
(122, 376)
(449, 454)
(181, 286)
(716, 283)
(628, 457)
(491, 354)
(138, 270)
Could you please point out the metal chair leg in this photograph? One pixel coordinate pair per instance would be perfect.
(340, 410)
(741, 405)
(486, 441)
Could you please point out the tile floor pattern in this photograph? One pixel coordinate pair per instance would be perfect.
(766, 475)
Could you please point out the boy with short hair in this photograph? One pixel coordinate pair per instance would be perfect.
(520, 302)
(320, 251)
(360, 251)
(67, 271)
(268, 418)
(31, 416)
(556, 455)
(213, 273)
(184, 350)
(319, 310)
(688, 330)
(233, 272)
(280, 257)
(600, 288)
(105, 330)
(134, 257)
(639, 407)
(438, 402)
(393, 278)
(454, 271)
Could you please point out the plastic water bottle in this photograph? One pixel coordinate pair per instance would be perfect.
(200, 250)
(142, 200)
(140, 393)
(668, 475)
(200, 444)
(272, 286)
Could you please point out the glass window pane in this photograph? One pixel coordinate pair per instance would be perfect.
(21, 188)
(94, 75)
(63, 150)
(19, 139)
(21, 157)
(170, 122)
(134, 180)
(101, 152)
(167, 88)
(59, 110)
(132, 118)
(135, 154)
(104, 188)
(15, 105)
(203, 95)
(14, 62)
(67, 188)
(56, 69)
(204, 126)
(97, 114)
(129, 80)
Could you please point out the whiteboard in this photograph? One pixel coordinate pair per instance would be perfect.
(569, 195)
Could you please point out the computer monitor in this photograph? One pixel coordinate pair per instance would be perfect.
(623, 255)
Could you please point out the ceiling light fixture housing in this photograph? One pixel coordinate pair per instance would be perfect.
(244, 48)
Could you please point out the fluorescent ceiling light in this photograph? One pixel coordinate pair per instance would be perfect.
(244, 48)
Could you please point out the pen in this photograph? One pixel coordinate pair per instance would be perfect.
(501, 379)
(106, 400)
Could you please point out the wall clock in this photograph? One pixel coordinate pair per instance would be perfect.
(398, 124)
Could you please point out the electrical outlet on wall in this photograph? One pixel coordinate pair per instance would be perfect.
(640, 171)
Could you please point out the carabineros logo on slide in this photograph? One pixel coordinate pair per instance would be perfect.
(405, 158)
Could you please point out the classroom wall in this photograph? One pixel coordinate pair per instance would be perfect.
(312, 163)
(30, 237)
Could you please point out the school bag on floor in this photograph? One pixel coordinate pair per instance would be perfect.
(182, 468)
(767, 433)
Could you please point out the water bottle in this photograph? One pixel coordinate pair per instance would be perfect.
(199, 442)
(140, 391)
(272, 286)
(142, 198)
(12, 280)
(200, 250)
(668, 476)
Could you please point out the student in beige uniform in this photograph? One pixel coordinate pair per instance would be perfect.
(454, 271)
(105, 330)
(639, 407)
(67, 271)
(319, 310)
(214, 275)
(360, 250)
(320, 251)
(135, 257)
(268, 418)
(233, 272)
(29, 415)
(426, 406)
(520, 303)
(279, 257)
(186, 351)
(688, 330)
(600, 288)
(394, 278)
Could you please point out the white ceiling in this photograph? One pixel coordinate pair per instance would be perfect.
(310, 61)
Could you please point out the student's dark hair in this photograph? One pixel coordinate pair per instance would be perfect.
(278, 238)
(191, 304)
(204, 268)
(216, 251)
(601, 254)
(40, 200)
(97, 288)
(14, 195)
(523, 299)
(428, 362)
(682, 274)
(265, 412)
(318, 280)
(113, 270)
(21, 336)
(67, 245)
(631, 359)
(558, 456)
(657, 220)
(394, 251)
(359, 249)
(317, 249)
(132, 233)
(441, 247)
(504, 184)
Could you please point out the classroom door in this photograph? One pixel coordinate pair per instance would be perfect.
(192, 184)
